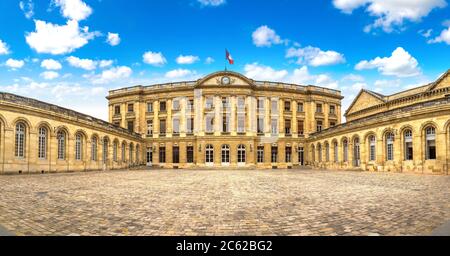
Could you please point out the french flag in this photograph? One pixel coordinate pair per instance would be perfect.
(229, 58)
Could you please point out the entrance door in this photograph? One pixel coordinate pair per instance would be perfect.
(176, 155)
(301, 155)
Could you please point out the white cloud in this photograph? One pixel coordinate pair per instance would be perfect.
(179, 73)
(28, 8)
(105, 63)
(392, 13)
(400, 64)
(74, 9)
(49, 75)
(261, 72)
(444, 37)
(353, 78)
(154, 59)
(314, 56)
(4, 49)
(211, 2)
(209, 60)
(85, 64)
(51, 64)
(112, 75)
(14, 64)
(190, 59)
(265, 37)
(56, 39)
(113, 39)
(425, 33)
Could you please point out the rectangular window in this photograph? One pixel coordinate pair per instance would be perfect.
(260, 104)
(274, 126)
(288, 154)
(332, 109)
(372, 152)
(260, 157)
(319, 126)
(225, 124)
(130, 108)
(260, 125)
(225, 104)
(149, 155)
(318, 108)
(190, 154)
(274, 107)
(209, 124)
(176, 125)
(209, 103)
(300, 107)
(287, 127)
(241, 104)
(176, 155)
(162, 155)
(176, 105)
(150, 107)
(274, 155)
(241, 123)
(190, 125)
(287, 106)
(300, 127)
(149, 127)
(162, 127)
(190, 106)
(332, 124)
(117, 110)
(162, 106)
(130, 126)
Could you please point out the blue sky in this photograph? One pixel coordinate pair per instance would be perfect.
(71, 52)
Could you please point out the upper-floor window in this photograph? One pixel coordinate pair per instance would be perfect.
(209, 103)
(300, 127)
(225, 124)
(117, 110)
(190, 125)
(332, 124)
(319, 108)
(149, 127)
(241, 103)
(225, 103)
(190, 105)
(260, 104)
(241, 123)
(176, 105)
(176, 125)
(319, 126)
(287, 127)
(274, 126)
(150, 107)
(130, 126)
(274, 106)
(162, 106)
(209, 123)
(332, 109)
(260, 125)
(287, 105)
(300, 107)
(162, 127)
(130, 108)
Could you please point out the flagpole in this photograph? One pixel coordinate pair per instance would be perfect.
(226, 59)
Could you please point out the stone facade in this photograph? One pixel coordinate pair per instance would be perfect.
(216, 119)
(36, 137)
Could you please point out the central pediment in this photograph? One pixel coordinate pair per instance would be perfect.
(225, 78)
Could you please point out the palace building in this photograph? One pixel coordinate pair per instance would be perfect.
(226, 120)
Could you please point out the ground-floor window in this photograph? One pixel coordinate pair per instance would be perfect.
(162, 154)
(336, 150)
(209, 154)
(241, 154)
(430, 149)
(288, 154)
(356, 153)
(260, 154)
(225, 154)
(274, 155)
(190, 154)
(409, 153)
(176, 155)
(301, 156)
(149, 155)
(390, 147)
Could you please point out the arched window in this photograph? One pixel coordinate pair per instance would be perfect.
(20, 140)
(225, 154)
(209, 154)
(123, 152)
(372, 148)
(319, 151)
(61, 137)
(409, 151)
(94, 149)
(327, 152)
(115, 149)
(78, 147)
(137, 154)
(131, 153)
(356, 153)
(42, 143)
(105, 150)
(390, 146)
(345, 150)
(241, 154)
(430, 136)
(336, 154)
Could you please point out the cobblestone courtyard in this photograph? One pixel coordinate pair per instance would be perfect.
(168, 202)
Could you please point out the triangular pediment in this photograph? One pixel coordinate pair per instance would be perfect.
(365, 99)
(442, 82)
(225, 78)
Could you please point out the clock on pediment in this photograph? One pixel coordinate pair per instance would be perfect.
(225, 80)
